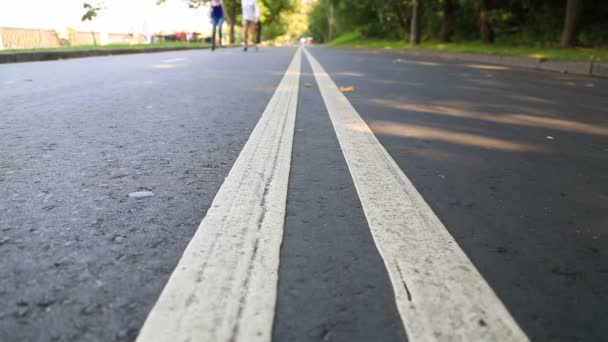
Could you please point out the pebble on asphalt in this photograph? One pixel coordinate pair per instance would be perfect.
(141, 194)
(22, 311)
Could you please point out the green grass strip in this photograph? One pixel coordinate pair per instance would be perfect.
(355, 40)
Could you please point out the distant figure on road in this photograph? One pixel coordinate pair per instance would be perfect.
(217, 20)
(251, 16)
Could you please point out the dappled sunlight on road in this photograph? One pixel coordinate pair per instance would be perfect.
(509, 119)
(487, 67)
(471, 88)
(392, 82)
(170, 63)
(174, 60)
(438, 134)
(164, 66)
(350, 74)
(387, 82)
(507, 158)
(532, 99)
(460, 74)
(438, 155)
(415, 62)
(594, 199)
(486, 82)
(143, 83)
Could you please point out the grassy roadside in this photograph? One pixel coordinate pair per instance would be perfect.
(112, 47)
(580, 54)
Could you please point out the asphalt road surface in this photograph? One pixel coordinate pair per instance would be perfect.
(469, 203)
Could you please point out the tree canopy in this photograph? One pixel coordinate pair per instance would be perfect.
(279, 17)
(519, 22)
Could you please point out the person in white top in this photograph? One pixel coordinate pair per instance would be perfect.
(251, 15)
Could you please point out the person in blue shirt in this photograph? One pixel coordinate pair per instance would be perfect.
(217, 13)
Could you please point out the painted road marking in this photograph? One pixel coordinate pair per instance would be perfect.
(224, 287)
(439, 293)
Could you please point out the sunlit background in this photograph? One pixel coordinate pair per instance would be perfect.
(117, 16)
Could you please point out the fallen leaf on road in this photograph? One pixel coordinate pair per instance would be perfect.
(308, 85)
(348, 89)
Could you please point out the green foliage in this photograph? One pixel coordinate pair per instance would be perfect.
(274, 8)
(273, 17)
(347, 39)
(297, 20)
(537, 23)
(317, 21)
(90, 11)
(273, 13)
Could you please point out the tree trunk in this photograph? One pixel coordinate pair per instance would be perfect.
(331, 23)
(487, 35)
(572, 23)
(380, 16)
(232, 14)
(94, 40)
(232, 38)
(415, 30)
(447, 28)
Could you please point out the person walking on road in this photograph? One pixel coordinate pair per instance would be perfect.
(258, 28)
(251, 16)
(217, 20)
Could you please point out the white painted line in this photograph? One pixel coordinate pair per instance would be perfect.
(439, 293)
(224, 287)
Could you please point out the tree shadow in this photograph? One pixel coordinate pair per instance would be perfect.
(515, 164)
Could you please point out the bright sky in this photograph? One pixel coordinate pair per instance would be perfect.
(119, 16)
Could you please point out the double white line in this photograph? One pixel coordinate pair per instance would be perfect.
(224, 287)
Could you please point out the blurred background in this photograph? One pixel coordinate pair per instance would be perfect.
(33, 24)
(567, 29)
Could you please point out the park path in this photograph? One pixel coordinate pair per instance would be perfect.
(344, 196)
